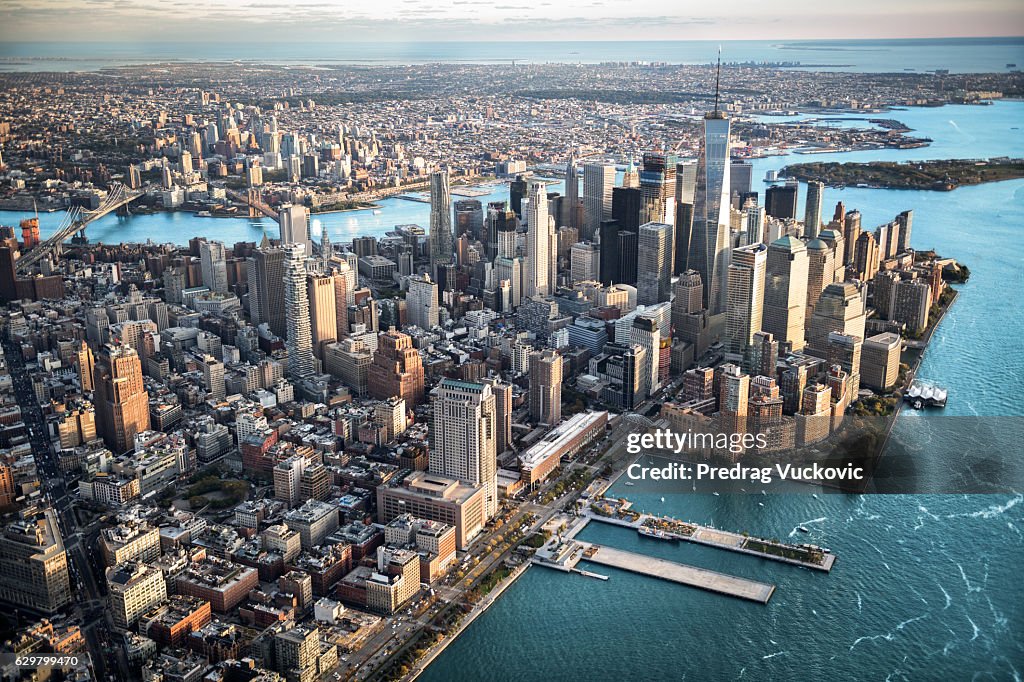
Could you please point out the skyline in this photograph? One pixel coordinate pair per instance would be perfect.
(413, 20)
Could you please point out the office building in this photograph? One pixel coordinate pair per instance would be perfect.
(812, 209)
(265, 272)
(785, 295)
(437, 498)
(584, 262)
(657, 189)
(746, 295)
(33, 564)
(134, 589)
(571, 206)
(880, 361)
(839, 309)
(654, 263)
(598, 181)
(780, 201)
(121, 400)
(709, 250)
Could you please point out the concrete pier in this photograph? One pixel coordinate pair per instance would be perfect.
(683, 574)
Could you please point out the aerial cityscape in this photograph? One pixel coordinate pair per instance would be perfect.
(466, 361)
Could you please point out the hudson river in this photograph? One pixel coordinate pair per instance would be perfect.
(926, 587)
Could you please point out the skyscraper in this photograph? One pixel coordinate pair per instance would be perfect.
(598, 181)
(785, 294)
(464, 437)
(84, 362)
(34, 564)
(709, 253)
(540, 246)
(396, 370)
(421, 302)
(469, 218)
(657, 188)
(294, 220)
(323, 311)
(121, 400)
(213, 265)
(299, 341)
(780, 201)
(820, 271)
(571, 202)
(265, 273)
(546, 387)
(501, 231)
(839, 309)
(746, 295)
(654, 263)
(812, 211)
(646, 334)
(442, 242)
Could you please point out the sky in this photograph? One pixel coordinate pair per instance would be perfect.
(503, 20)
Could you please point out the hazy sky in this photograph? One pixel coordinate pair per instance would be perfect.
(429, 20)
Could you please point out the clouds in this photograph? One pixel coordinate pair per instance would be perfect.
(443, 20)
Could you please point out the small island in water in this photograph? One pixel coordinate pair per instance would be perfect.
(931, 175)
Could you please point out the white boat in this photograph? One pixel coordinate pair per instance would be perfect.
(760, 504)
(814, 495)
(763, 492)
(377, 211)
(715, 494)
(630, 483)
(803, 529)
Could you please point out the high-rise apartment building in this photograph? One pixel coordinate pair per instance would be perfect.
(299, 341)
(294, 220)
(464, 437)
(421, 307)
(442, 241)
(323, 310)
(213, 264)
(541, 247)
(546, 387)
(396, 370)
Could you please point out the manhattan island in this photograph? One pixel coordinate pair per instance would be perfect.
(310, 460)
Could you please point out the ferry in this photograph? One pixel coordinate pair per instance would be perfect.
(203, 214)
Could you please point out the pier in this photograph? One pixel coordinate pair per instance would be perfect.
(565, 554)
(649, 526)
(704, 579)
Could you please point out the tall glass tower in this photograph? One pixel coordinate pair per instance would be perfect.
(442, 243)
(709, 250)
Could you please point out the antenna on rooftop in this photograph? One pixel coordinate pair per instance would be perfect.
(718, 77)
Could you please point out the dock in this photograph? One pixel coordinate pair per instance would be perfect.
(716, 537)
(704, 579)
(564, 555)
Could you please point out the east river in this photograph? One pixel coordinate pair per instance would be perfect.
(926, 587)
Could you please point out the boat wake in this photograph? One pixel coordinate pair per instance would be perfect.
(992, 511)
(804, 523)
(777, 653)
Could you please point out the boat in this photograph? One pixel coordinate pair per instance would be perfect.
(763, 492)
(377, 211)
(803, 529)
(715, 494)
(814, 495)
(203, 214)
(760, 504)
(663, 499)
(630, 483)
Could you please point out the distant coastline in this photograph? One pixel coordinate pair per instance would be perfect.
(941, 176)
